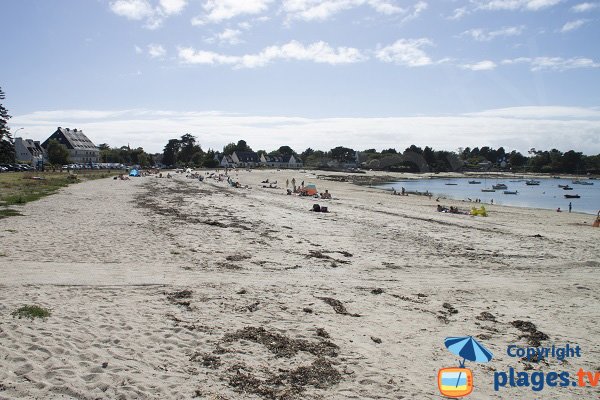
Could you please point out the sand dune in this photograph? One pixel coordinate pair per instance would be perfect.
(175, 288)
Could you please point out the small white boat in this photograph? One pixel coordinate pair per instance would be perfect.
(488, 190)
(511, 192)
(532, 182)
(500, 186)
(582, 183)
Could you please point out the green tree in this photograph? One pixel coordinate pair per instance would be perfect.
(209, 160)
(58, 154)
(516, 159)
(286, 151)
(170, 152)
(342, 154)
(306, 153)
(7, 145)
(229, 149)
(242, 146)
(189, 149)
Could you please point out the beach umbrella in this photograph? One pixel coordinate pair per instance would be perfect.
(469, 349)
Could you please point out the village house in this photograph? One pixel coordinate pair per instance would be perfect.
(245, 159)
(28, 151)
(286, 161)
(224, 160)
(81, 149)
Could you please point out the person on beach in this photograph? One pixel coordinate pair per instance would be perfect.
(570, 206)
(287, 183)
(294, 184)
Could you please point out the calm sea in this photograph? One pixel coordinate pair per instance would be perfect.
(546, 195)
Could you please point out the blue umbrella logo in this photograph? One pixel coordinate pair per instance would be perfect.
(469, 349)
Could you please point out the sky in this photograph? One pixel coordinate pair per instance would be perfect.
(306, 73)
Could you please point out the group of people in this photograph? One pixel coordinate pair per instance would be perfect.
(451, 210)
(402, 192)
(570, 208)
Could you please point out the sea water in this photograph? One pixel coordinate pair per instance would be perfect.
(547, 195)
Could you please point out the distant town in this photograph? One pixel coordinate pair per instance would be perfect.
(70, 148)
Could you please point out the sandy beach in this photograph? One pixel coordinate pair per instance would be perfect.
(181, 289)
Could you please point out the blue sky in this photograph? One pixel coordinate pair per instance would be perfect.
(360, 73)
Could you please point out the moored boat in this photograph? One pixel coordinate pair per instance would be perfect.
(500, 186)
(567, 187)
(578, 182)
(532, 182)
(488, 190)
(474, 182)
(511, 192)
(572, 196)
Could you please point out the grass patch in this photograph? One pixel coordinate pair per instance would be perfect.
(31, 312)
(17, 188)
(8, 212)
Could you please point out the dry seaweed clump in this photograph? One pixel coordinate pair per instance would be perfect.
(281, 345)
(207, 360)
(530, 332)
(338, 306)
(286, 385)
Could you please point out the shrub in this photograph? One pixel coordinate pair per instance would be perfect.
(31, 312)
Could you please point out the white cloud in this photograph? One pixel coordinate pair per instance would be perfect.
(321, 10)
(220, 10)
(459, 13)
(585, 7)
(531, 5)
(172, 6)
(138, 50)
(318, 52)
(483, 36)
(564, 128)
(485, 65)
(554, 63)
(156, 51)
(573, 25)
(417, 9)
(132, 9)
(143, 10)
(407, 52)
(231, 36)
(541, 112)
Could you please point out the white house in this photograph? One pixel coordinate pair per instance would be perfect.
(287, 161)
(224, 160)
(27, 150)
(245, 159)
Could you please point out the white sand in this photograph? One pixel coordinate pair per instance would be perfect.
(104, 264)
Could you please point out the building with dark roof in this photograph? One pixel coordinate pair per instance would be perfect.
(29, 151)
(81, 149)
(245, 159)
(285, 161)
